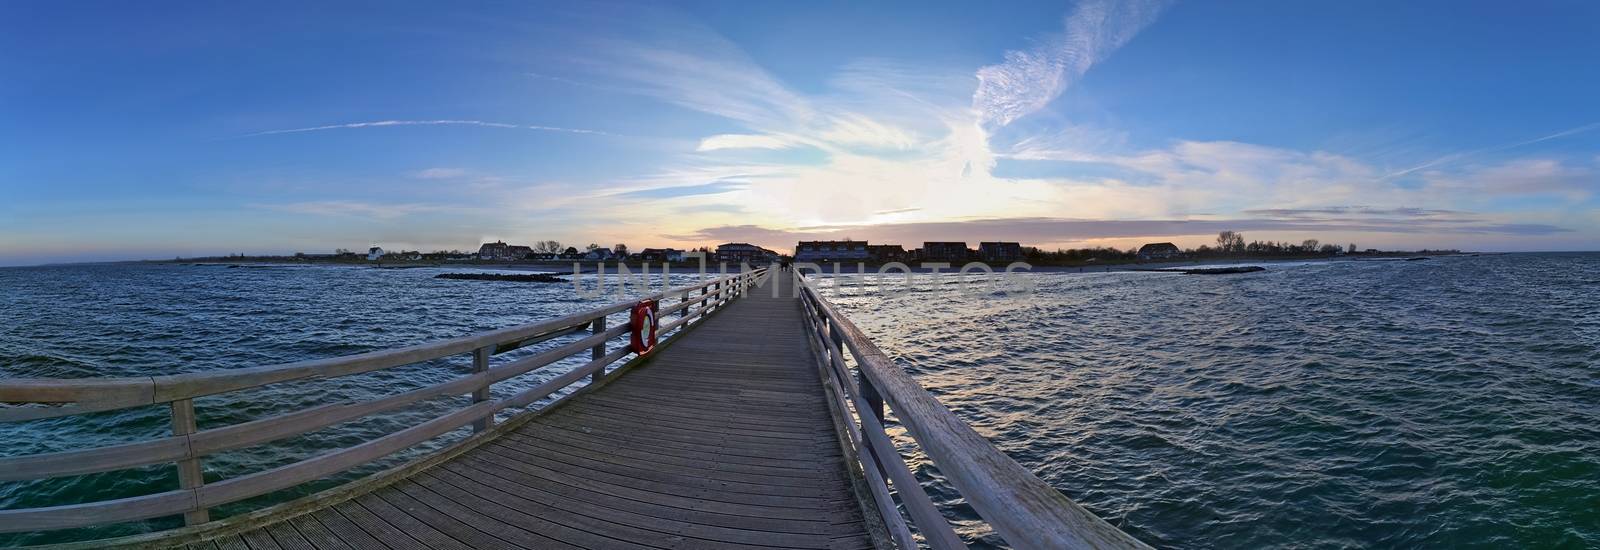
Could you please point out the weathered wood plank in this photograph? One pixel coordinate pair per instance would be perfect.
(439, 519)
(259, 539)
(462, 508)
(804, 470)
(98, 459)
(394, 527)
(681, 439)
(723, 503)
(638, 529)
(232, 542)
(491, 501)
(356, 536)
(317, 535)
(643, 443)
(556, 493)
(654, 478)
(325, 465)
(287, 537)
(96, 513)
(705, 470)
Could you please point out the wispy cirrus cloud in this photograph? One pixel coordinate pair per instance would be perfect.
(713, 188)
(744, 141)
(1457, 157)
(1032, 78)
(1353, 210)
(442, 173)
(389, 123)
(380, 211)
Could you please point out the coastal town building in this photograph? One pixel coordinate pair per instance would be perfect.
(501, 251)
(744, 252)
(1159, 251)
(887, 253)
(999, 251)
(831, 251)
(600, 255)
(661, 255)
(374, 254)
(945, 251)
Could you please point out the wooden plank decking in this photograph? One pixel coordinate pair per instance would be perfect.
(723, 440)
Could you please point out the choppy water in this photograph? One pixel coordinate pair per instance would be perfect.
(1447, 403)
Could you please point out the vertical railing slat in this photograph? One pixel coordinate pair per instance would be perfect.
(480, 363)
(599, 351)
(190, 475)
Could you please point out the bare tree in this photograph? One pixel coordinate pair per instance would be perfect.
(551, 247)
(1310, 245)
(1230, 241)
(592, 247)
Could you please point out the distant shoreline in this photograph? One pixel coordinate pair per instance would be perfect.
(589, 267)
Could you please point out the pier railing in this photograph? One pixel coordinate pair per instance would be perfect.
(1023, 509)
(32, 399)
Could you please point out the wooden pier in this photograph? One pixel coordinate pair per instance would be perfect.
(745, 428)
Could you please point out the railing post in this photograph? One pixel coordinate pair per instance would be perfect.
(599, 350)
(189, 474)
(480, 363)
(863, 384)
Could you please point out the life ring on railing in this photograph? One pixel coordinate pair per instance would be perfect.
(642, 325)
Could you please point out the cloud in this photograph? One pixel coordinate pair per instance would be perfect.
(1030, 79)
(711, 208)
(1352, 210)
(1072, 143)
(744, 141)
(713, 188)
(689, 65)
(852, 129)
(442, 173)
(387, 123)
(1521, 177)
(1456, 157)
(355, 208)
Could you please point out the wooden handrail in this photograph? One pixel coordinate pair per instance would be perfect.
(1023, 509)
(148, 390)
(187, 445)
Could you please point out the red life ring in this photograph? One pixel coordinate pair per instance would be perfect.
(642, 323)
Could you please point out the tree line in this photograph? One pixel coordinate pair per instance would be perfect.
(1228, 243)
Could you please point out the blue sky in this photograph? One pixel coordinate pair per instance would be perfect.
(133, 130)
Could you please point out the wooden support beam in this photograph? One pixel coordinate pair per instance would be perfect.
(598, 351)
(190, 475)
(480, 364)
